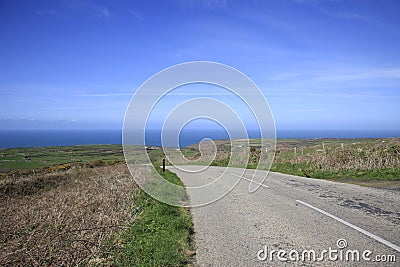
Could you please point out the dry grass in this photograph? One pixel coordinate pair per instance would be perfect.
(63, 218)
(367, 156)
(354, 159)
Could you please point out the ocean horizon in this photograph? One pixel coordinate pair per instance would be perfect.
(38, 138)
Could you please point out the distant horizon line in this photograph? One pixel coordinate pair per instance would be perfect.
(67, 137)
(156, 129)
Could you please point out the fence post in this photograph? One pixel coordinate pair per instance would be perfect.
(294, 152)
(163, 165)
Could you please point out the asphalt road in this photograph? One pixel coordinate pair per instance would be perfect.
(289, 217)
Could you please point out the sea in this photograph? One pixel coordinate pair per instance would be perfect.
(38, 138)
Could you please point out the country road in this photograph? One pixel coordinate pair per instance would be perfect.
(288, 217)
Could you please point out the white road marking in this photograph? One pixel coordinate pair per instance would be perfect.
(365, 232)
(264, 185)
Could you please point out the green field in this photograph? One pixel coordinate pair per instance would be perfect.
(339, 159)
(36, 157)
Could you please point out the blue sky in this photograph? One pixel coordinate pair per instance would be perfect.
(331, 64)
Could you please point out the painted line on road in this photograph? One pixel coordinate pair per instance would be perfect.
(264, 185)
(365, 232)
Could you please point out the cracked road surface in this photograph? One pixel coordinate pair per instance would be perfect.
(293, 213)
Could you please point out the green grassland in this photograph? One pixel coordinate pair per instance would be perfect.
(354, 159)
(37, 157)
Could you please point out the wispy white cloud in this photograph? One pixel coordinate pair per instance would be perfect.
(136, 14)
(205, 4)
(284, 76)
(88, 6)
(264, 18)
(106, 94)
(338, 14)
(308, 110)
(364, 95)
(353, 16)
(393, 73)
(306, 1)
(213, 4)
(103, 13)
(335, 75)
(44, 12)
(373, 95)
(201, 94)
(169, 94)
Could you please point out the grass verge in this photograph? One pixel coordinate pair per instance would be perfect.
(160, 236)
(312, 171)
(345, 160)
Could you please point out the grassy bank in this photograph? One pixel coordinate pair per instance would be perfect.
(88, 211)
(338, 159)
(368, 159)
(313, 171)
(161, 236)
